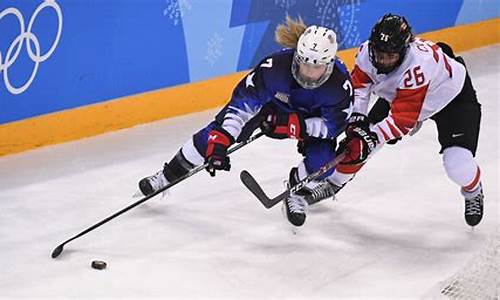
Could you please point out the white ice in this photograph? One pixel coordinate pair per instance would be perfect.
(395, 231)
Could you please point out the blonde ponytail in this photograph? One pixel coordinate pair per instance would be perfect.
(288, 34)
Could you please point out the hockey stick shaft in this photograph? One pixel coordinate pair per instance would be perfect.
(57, 251)
(256, 189)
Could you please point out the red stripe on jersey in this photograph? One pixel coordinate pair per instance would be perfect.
(359, 50)
(403, 130)
(435, 54)
(447, 66)
(393, 129)
(470, 187)
(407, 105)
(386, 136)
(359, 78)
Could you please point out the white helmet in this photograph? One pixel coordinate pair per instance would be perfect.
(317, 46)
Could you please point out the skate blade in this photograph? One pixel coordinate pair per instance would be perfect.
(293, 229)
(139, 194)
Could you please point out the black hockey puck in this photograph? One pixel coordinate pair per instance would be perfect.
(98, 264)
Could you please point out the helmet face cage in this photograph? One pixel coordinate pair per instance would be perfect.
(307, 83)
(316, 46)
(391, 34)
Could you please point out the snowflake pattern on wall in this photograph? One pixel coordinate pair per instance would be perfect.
(285, 4)
(214, 49)
(340, 15)
(176, 9)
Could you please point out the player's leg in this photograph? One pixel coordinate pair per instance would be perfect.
(316, 152)
(191, 155)
(187, 158)
(458, 131)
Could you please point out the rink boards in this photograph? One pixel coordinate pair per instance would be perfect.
(89, 120)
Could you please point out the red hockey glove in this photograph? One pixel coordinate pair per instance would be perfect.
(216, 155)
(360, 141)
(282, 125)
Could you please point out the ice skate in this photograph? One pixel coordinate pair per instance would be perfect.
(324, 190)
(152, 184)
(473, 206)
(296, 208)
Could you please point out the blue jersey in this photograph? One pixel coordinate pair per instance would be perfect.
(324, 108)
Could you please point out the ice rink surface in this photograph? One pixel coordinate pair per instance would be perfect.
(395, 231)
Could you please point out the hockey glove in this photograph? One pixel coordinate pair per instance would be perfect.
(360, 141)
(216, 156)
(255, 122)
(282, 125)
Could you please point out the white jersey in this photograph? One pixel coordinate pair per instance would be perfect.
(425, 82)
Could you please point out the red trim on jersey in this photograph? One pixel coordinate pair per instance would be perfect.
(447, 66)
(386, 136)
(404, 130)
(474, 182)
(406, 107)
(393, 129)
(435, 54)
(359, 78)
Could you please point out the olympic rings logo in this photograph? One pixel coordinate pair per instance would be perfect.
(16, 46)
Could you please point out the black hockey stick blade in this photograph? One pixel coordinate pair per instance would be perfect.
(255, 188)
(57, 251)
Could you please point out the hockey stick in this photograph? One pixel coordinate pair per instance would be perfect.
(57, 251)
(256, 189)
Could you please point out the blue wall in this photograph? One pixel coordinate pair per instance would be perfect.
(113, 48)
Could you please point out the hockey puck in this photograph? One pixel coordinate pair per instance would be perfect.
(98, 264)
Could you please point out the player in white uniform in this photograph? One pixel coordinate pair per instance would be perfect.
(416, 80)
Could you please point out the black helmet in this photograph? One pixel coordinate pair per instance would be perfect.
(391, 34)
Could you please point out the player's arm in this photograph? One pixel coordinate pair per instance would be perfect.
(273, 121)
(361, 81)
(362, 85)
(333, 118)
(403, 116)
(248, 98)
(360, 140)
(406, 106)
(251, 107)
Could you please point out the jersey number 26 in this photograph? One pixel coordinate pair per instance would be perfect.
(413, 77)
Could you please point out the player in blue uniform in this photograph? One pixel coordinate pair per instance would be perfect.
(302, 92)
